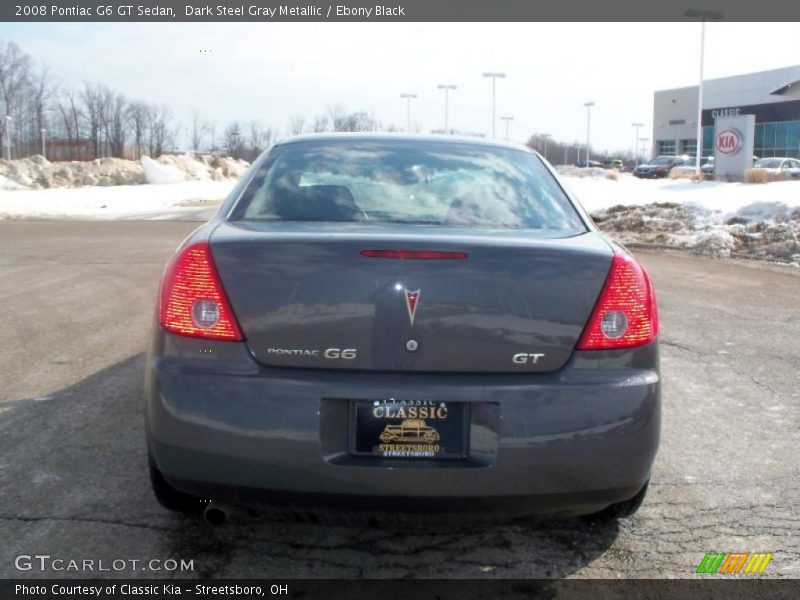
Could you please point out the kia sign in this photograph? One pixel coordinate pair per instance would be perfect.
(733, 146)
(729, 141)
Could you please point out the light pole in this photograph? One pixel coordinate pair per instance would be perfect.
(644, 145)
(446, 87)
(545, 137)
(508, 121)
(494, 76)
(636, 144)
(703, 15)
(44, 149)
(588, 106)
(408, 98)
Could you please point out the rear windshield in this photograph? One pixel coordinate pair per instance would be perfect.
(424, 183)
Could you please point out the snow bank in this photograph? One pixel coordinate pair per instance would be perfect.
(709, 217)
(591, 172)
(37, 172)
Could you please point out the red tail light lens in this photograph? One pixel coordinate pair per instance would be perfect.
(626, 314)
(193, 302)
(415, 254)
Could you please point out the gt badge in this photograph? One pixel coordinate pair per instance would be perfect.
(412, 301)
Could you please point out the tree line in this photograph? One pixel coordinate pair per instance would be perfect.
(94, 121)
(76, 123)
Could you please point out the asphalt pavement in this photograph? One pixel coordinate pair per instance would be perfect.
(76, 301)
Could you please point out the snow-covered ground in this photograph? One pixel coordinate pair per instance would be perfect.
(709, 217)
(148, 201)
(113, 188)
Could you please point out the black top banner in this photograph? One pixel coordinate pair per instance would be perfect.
(395, 10)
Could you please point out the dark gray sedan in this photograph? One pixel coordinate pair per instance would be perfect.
(405, 324)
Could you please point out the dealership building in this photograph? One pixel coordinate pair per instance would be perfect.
(772, 96)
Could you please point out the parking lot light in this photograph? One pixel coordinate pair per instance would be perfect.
(703, 15)
(636, 144)
(408, 98)
(446, 87)
(588, 106)
(494, 76)
(508, 121)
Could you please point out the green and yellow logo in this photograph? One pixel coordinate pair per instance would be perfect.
(732, 563)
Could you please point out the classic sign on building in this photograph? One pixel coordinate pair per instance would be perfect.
(733, 146)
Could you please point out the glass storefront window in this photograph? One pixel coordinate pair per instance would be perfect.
(769, 135)
(777, 139)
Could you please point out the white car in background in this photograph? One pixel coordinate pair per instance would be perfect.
(779, 166)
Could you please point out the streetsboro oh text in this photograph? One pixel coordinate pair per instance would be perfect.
(311, 10)
(160, 590)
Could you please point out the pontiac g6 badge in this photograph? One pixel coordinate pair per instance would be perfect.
(412, 301)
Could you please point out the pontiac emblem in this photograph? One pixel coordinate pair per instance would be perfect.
(412, 301)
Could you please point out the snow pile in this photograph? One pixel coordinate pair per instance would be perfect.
(591, 172)
(714, 218)
(156, 172)
(37, 172)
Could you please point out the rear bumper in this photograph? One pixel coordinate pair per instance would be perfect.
(222, 426)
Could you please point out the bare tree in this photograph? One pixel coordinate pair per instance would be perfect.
(233, 139)
(210, 127)
(92, 98)
(197, 133)
(138, 118)
(296, 124)
(319, 123)
(357, 121)
(161, 134)
(71, 118)
(338, 117)
(259, 140)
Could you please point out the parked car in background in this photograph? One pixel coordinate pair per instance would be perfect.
(614, 163)
(688, 167)
(592, 163)
(659, 167)
(779, 166)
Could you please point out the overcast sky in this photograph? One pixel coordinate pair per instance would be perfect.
(268, 71)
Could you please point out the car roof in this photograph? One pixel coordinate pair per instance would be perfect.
(403, 137)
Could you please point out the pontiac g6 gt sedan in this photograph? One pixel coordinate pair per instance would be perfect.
(352, 285)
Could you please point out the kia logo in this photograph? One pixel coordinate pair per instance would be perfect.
(729, 141)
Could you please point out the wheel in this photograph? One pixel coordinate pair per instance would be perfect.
(168, 496)
(623, 509)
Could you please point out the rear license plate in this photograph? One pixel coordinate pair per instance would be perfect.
(408, 429)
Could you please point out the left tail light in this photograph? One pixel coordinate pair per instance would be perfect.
(192, 300)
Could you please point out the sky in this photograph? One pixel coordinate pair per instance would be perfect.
(269, 71)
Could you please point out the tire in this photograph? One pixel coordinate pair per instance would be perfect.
(168, 496)
(622, 510)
